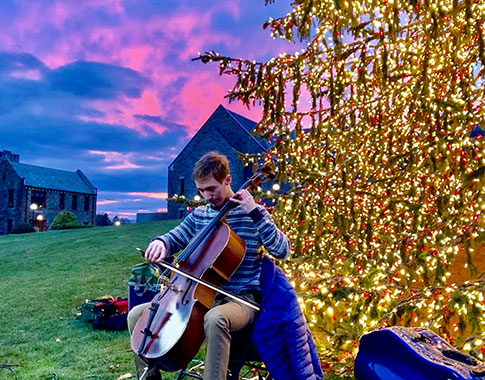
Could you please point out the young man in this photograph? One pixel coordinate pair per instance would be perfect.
(255, 226)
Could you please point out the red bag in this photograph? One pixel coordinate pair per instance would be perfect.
(111, 314)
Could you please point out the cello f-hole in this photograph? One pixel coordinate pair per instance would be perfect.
(185, 298)
(162, 294)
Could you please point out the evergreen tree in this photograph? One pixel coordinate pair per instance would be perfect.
(370, 125)
(103, 220)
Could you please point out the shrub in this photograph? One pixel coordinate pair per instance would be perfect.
(23, 228)
(65, 221)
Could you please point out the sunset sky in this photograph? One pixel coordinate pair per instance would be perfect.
(109, 87)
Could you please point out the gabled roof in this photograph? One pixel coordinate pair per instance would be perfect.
(234, 128)
(247, 125)
(54, 179)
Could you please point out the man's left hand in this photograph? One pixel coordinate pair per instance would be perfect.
(245, 200)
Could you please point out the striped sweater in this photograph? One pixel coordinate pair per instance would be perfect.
(257, 229)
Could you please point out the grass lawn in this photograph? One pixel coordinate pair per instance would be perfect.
(45, 277)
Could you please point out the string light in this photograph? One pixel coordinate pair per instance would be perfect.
(370, 127)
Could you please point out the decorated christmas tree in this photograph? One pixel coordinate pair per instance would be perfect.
(371, 130)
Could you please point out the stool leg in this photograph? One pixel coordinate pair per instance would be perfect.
(184, 373)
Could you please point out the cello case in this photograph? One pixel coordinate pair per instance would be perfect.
(400, 353)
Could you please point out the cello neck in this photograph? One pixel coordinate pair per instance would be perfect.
(252, 183)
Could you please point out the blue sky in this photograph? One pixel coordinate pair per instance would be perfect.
(109, 87)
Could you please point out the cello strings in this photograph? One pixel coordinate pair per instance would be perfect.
(194, 244)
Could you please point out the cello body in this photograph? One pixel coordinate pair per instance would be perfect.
(175, 319)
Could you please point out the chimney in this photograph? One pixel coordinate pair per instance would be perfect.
(8, 155)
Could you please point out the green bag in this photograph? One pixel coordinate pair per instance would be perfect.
(144, 277)
(87, 314)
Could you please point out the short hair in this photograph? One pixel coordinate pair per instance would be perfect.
(211, 163)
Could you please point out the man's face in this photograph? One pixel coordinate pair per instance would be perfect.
(213, 191)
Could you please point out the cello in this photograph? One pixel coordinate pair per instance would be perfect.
(171, 329)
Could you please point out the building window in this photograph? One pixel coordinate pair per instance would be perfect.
(9, 225)
(62, 201)
(86, 203)
(182, 186)
(74, 202)
(10, 197)
(39, 198)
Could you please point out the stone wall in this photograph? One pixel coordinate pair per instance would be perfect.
(52, 207)
(9, 180)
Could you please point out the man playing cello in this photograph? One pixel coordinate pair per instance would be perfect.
(254, 225)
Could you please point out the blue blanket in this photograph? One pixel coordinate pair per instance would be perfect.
(280, 333)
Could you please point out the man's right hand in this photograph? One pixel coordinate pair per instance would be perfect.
(156, 251)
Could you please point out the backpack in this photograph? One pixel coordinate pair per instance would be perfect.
(111, 314)
(144, 278)
(143, 284)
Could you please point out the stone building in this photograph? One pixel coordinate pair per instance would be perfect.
(36, 195)
(225, 132)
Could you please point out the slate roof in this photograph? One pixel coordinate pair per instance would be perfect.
(47, 178)
(248, 125)
(234, 128)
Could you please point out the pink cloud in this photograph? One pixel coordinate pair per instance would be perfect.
(134, 57)
(38, 19)
(204, 93)
(105, 36)
(195, 30)
(201, 96)
(122, 112)
(106, 202)
(119, 160)
(126, 213)
(27, 74)
(25, 24)
(60, 13)
(150, 195)
(64, 51)
(147, 105)
(118, 43)
(160, 47)
(123, 166)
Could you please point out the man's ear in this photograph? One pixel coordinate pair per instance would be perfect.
(228, 180)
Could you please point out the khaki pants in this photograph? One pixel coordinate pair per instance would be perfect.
(141, 363)
(225, 317)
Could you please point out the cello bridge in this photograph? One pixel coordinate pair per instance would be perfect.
(165, 282)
